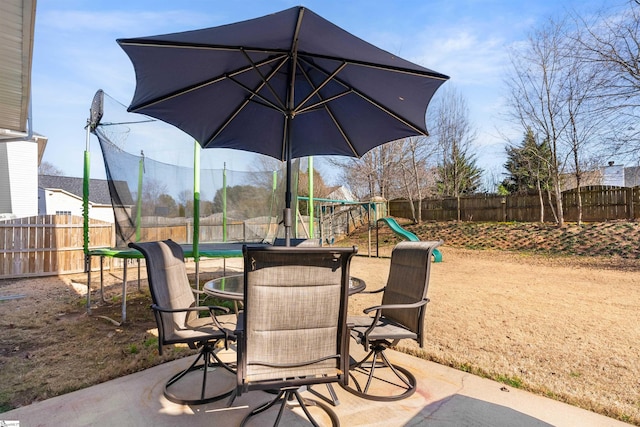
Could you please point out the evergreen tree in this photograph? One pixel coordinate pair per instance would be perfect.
(528, 165)
(459, 174)
(530, 168)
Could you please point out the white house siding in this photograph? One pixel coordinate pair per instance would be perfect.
(613, 175)
(54, 202)
(19, 178)
(5, 182)
(103, 213)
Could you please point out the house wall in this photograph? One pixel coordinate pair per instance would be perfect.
(101, 212)
(19, 178)
(613, 175)
(52, 202)
(5, 182)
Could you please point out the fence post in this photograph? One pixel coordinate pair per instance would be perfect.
(630, 205)
(503, 203)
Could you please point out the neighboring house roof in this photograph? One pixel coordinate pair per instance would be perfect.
(98, 188)
(17, 19)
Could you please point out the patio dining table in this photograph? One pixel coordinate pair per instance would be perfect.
(232, 287)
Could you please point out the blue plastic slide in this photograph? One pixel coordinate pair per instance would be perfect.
(407, 235)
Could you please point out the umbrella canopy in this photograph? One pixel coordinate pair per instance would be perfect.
(288, 85)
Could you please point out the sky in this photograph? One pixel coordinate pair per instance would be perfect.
(75, 54)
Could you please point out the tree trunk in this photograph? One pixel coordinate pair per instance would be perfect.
(578, 175)
(551, 204)
(541, 199)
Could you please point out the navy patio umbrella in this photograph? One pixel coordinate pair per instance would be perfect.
(288, 85)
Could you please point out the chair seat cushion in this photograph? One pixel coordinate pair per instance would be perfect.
(202, 329)
(384, 330)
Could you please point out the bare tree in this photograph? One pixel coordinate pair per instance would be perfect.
(586, 114)
(372, 175)
(454, 135)
(534, 86)
(152, 191)
(610, 41)
(47, 168)
(553, 88)
(418, 179)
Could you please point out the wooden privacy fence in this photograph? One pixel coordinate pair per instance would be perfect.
(47, 245)
(599, 203)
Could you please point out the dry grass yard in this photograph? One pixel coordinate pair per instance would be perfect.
(562, 324)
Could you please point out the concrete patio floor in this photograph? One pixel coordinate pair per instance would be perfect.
(445, 397)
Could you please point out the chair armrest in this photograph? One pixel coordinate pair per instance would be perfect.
(228, 334)
(240, 323)
(396, 306)
(377, 291)
(186, 309)
(378, 309)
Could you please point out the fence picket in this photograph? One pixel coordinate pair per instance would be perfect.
(47, 245)
(599, 203)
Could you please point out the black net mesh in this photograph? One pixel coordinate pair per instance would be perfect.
(152, 181)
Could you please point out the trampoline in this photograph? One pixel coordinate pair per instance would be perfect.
(162, 185)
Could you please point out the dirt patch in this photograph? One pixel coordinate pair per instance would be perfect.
(564, 326)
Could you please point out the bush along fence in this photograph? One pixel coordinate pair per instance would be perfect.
(599, 203)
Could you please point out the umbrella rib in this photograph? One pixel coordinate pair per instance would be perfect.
(246, 101)
(203, 46)
(253, 93)
(323, 103)
(265, 80)
(293, 65)
(141, 42)
(226, 123)
(391, 113)
(196, 86)
(319, 87)
(367, 98)
(402, 70)
(195, 46)
(342, 132)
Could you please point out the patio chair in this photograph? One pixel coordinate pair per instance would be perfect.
(293, 329)
(399, 316)
(298, 242)
(177, 317)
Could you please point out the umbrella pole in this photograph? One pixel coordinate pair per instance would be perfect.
(195, 241)
(287, 197)
(310, 201)
(287, 210)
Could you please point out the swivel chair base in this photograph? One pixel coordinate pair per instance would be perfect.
(376, 370)
(286, 398)
(210, 360)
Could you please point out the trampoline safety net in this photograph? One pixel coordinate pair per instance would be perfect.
(154, 172)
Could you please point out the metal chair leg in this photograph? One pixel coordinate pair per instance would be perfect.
(375, 361)
(207, 354)
(290, 394)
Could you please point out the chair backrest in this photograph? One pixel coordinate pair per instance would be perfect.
(408, 282)
(298, 242)
(168, 282)
(295, 311)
